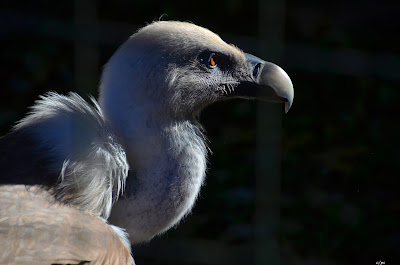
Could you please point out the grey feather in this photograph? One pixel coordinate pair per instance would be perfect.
(88, 165)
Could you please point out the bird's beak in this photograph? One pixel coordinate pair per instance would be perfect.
(268, 82)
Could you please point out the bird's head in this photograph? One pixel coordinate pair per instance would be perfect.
(152, 90)
(178, 68)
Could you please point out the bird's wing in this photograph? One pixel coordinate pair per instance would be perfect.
(34, 229)
(66, 144)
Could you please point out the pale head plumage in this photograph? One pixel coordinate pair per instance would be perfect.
(174, 82)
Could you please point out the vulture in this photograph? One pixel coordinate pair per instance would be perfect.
(78, 177)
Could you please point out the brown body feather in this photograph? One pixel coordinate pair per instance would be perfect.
(36, 230)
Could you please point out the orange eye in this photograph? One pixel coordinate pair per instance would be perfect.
(212, 62)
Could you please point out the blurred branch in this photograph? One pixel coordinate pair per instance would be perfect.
(268, 159)
(86, 61)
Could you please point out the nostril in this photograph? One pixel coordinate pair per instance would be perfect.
(256, 70)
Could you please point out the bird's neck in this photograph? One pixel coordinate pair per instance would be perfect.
(167, 168)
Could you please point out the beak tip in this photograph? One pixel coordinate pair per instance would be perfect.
(280, 81)
(287, 107)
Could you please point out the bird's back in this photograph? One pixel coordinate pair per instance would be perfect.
(66, 146)
(34, 229)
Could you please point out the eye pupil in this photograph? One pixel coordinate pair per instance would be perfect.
(212, 62)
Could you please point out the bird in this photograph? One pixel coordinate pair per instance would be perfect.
(131, 162)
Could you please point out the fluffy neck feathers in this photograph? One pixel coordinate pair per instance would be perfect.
(167, 171)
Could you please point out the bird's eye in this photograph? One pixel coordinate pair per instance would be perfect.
(211, 61)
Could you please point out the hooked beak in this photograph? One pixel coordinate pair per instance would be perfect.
(268, 82)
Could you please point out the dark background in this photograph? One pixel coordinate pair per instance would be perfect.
(331, 197)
